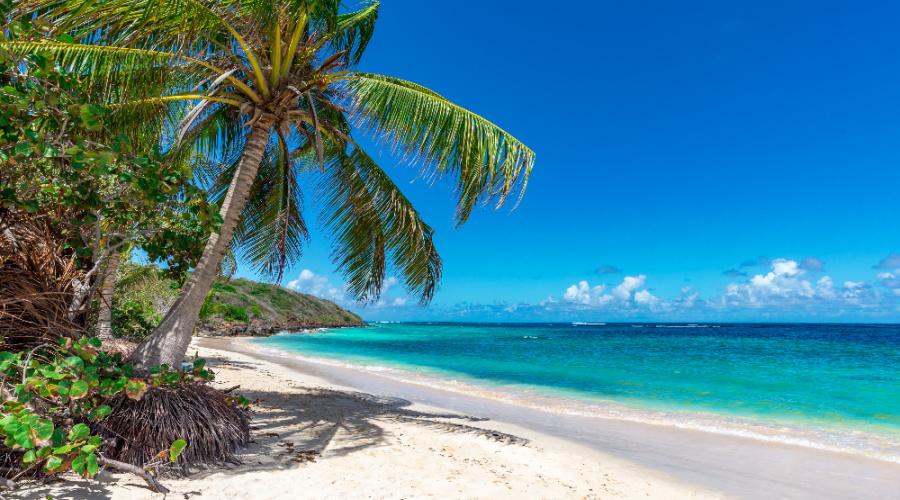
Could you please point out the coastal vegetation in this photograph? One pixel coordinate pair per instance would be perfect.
(187, 131)
(145, 293)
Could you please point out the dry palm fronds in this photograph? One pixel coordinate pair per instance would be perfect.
(36, 287)
(197, 413)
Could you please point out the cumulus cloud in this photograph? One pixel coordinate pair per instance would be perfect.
(891, 262)
(582, 293)
(313, 284)
(812, 264)
(733, 273)
(623, 296)
(604, 270)
(787, 288)
(630, 284)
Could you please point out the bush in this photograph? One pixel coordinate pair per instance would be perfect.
(134, 320)
(233, 313)
(49, 425)
(222, 287)
(256, 311)
(228, 311)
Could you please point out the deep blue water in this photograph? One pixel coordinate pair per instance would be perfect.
(832, 386)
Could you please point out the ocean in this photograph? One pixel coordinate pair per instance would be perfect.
(824, 386)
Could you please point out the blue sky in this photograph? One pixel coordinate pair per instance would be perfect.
(675, 142)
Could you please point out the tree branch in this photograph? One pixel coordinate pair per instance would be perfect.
(146, 476)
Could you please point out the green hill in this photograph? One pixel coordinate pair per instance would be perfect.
(236, 307)
(244, 300)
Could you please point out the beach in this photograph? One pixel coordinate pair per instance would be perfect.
(326, 432)
(317, 439)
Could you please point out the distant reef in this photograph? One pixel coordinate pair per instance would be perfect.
(240, 307)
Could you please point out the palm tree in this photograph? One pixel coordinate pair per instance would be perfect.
(269, 89)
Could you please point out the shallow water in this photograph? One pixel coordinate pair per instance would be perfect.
(823, 386)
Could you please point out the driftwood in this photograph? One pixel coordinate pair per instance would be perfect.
(134, 469)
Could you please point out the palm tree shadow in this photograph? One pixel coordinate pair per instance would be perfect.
(291, 427)
(302, 424)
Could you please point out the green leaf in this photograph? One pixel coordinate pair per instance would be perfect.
(43, 428)
(23, 437)
(88, 448)
(80, 431)
(28, 457)
(73, 361)
(79, 389)
(58, 438)
(24, 148)
(63, 450)
(53, 463)
(176, 449)
(92, 466)
(79, 464)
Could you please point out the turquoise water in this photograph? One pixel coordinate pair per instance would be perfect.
(826, 386)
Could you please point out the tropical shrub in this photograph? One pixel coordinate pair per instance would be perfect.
(79, 189)
(57, 396)
(134, 320)
(143, 295)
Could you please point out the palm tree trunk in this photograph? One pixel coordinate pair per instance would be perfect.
(169, 341)
(107, 289)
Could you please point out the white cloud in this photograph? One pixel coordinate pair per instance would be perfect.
(584, 294)
(630, 284)
(825, 288)
(786, 288)
(620, 296)
(389, 283)
(313, 284)
(645, 297)
(784, 283)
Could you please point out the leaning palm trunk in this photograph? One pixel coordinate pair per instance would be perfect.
(168, 343)
(107, 290)
(291, 65)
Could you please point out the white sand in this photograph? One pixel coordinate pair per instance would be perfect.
(369, 447)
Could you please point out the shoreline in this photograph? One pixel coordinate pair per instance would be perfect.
(315, 438)
(817, 435)
(739, 466)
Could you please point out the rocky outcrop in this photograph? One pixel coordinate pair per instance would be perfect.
(264, 328)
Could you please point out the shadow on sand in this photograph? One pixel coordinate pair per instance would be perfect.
(291, 426)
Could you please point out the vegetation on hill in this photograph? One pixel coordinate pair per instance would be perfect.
(245, 300)
(146, 293)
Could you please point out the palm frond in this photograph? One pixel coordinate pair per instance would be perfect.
(352, 32)
(448, 140)
(375, 226)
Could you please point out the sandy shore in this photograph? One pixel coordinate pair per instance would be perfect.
(315, 439)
